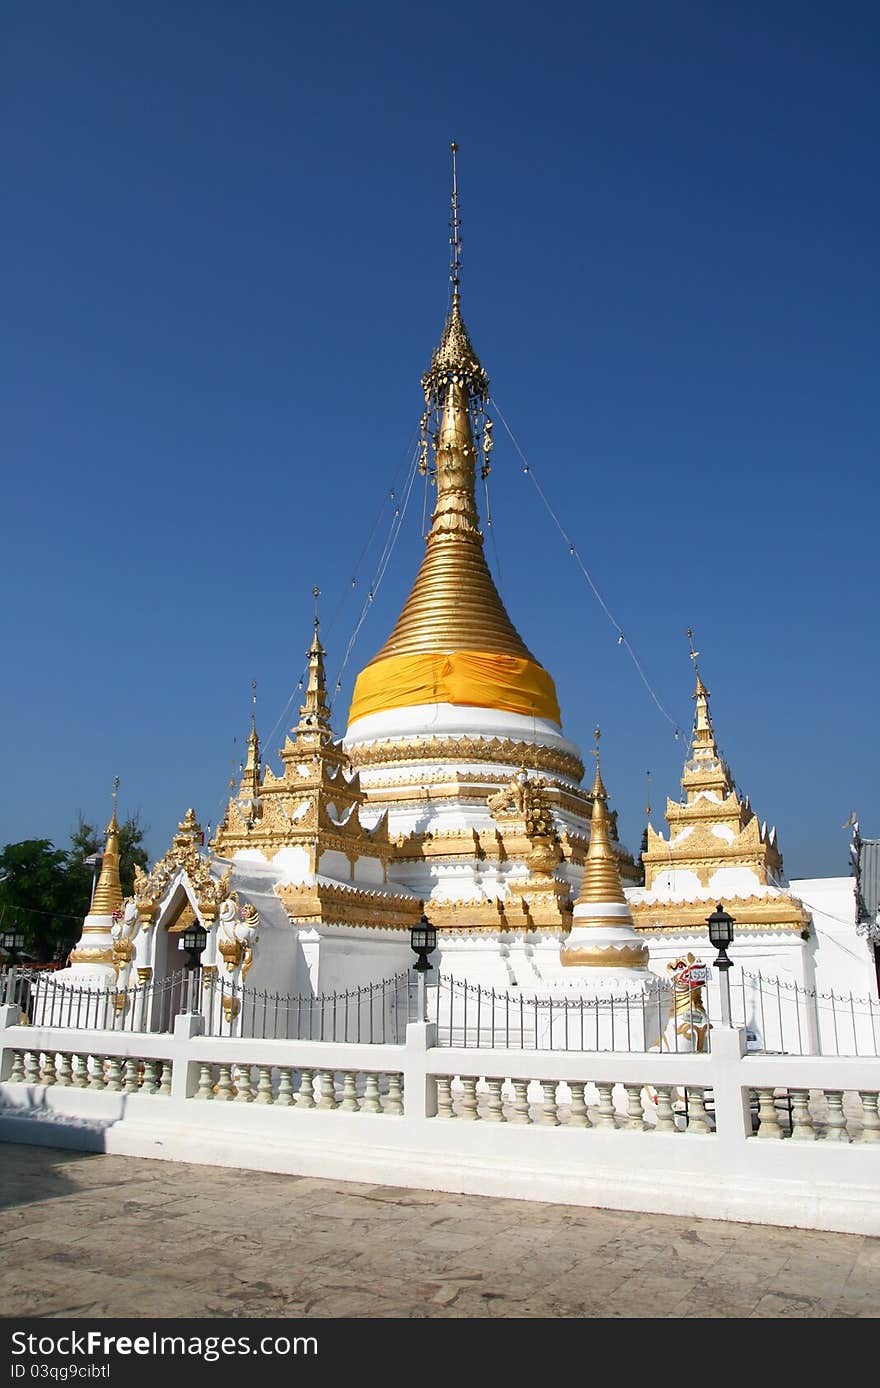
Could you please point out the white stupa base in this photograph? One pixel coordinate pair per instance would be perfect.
(456, 720)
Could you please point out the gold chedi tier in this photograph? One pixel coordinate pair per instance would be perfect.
(603, 934)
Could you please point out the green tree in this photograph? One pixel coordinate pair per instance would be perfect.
(36, 897)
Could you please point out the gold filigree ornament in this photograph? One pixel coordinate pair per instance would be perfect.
(183, 855)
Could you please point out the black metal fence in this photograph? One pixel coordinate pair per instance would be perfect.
(778, 1016)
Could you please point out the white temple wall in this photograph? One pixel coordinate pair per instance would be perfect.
(332, 863)
(841, 958)
(338, 958)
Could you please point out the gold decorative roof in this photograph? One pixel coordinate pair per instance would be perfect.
(108, 893)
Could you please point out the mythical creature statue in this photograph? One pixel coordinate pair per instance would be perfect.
(688, 1013)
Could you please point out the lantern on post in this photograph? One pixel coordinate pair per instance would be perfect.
(721, 925)
(423, 939)
(195, 939)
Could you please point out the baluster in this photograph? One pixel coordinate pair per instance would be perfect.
(494, 1104)
(264, 1085)
(579, 1116)
(802, 1129)
(224, 1084)
(768, 1118)
(444, 1097)
(635, 1119)
(327, 1090)
(606, 1107)
(371, 1102)
(130, 1070)
(16, 1075)
(151, 1078)
(114, 1074)
(165, 1086)
(665, 1111)
(285, 1087)
(549, 1113)
(32, 1066)
(469, 1099)
(48, 1071)
(698, 1119)
(245, 1093)
(349, 1092)
(305, 1096)
(395, 1094)
(206, 1083)
(96, 1073)
(835, 1130)
(63, 1076)
(80, 1071)
(870, 1116)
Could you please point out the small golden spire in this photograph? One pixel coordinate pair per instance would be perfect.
(108, 893)
(703, 746)
(314, 714)
(601, 884)
(250, 779)
(598, 790)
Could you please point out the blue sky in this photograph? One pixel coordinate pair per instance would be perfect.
(225, 267)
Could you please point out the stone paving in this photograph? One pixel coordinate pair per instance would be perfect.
(93, 1235)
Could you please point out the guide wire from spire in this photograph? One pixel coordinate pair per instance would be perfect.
(622, 639)
(391, 541)
(404, 469)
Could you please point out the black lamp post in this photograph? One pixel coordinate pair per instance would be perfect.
(721, 925)
(423, 938)
(12, 942)
(194, 941)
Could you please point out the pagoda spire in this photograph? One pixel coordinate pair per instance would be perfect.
(601, 882)
(603, 935)
(108, 893)
(314, 714)
(250, 780)
(454, 605)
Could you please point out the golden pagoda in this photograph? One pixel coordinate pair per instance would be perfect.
(717, 849)
(455, 725)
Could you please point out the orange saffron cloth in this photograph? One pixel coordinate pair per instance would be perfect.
(478, 678)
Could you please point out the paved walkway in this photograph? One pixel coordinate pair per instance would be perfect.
(90, 1235)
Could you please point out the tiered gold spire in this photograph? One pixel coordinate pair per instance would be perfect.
(108, 893)
(711, 828)
(603, 934)
(314, 714)
(454, 606)
(250, 780)
(601, 883)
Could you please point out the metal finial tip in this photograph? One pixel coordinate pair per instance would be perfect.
(454, 147)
